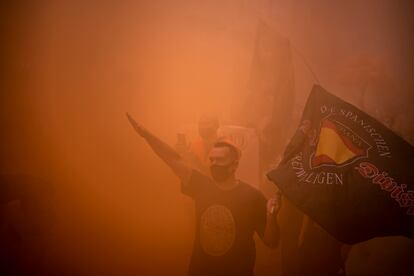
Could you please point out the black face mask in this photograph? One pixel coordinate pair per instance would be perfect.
(220, 173)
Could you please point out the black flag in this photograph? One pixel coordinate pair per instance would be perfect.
(348, 172)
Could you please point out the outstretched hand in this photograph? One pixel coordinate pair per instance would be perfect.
(138, 128)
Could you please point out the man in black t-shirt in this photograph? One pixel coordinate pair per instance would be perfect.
(228, 211)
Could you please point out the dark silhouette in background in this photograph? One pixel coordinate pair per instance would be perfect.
(26, 221)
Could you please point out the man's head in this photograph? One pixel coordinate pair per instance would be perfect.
(207, 127)
(224, 159)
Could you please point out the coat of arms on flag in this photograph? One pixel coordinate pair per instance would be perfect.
(338, 145)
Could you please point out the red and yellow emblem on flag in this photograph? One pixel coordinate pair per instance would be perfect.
(337, 145)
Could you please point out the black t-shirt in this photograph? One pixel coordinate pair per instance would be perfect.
(226, 222)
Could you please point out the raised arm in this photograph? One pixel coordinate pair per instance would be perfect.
(164, 151)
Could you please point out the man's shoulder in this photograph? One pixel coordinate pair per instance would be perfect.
(251, 190)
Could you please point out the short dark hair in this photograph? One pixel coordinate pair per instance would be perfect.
(234, 150)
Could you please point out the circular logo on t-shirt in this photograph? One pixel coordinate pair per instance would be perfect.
(217, 230)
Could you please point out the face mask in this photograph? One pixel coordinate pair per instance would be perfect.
(220, 173)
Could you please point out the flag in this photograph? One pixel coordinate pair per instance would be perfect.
(348, 172)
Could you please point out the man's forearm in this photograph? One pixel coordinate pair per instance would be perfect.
(168, 155)
(163, 150)
(272, 231)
